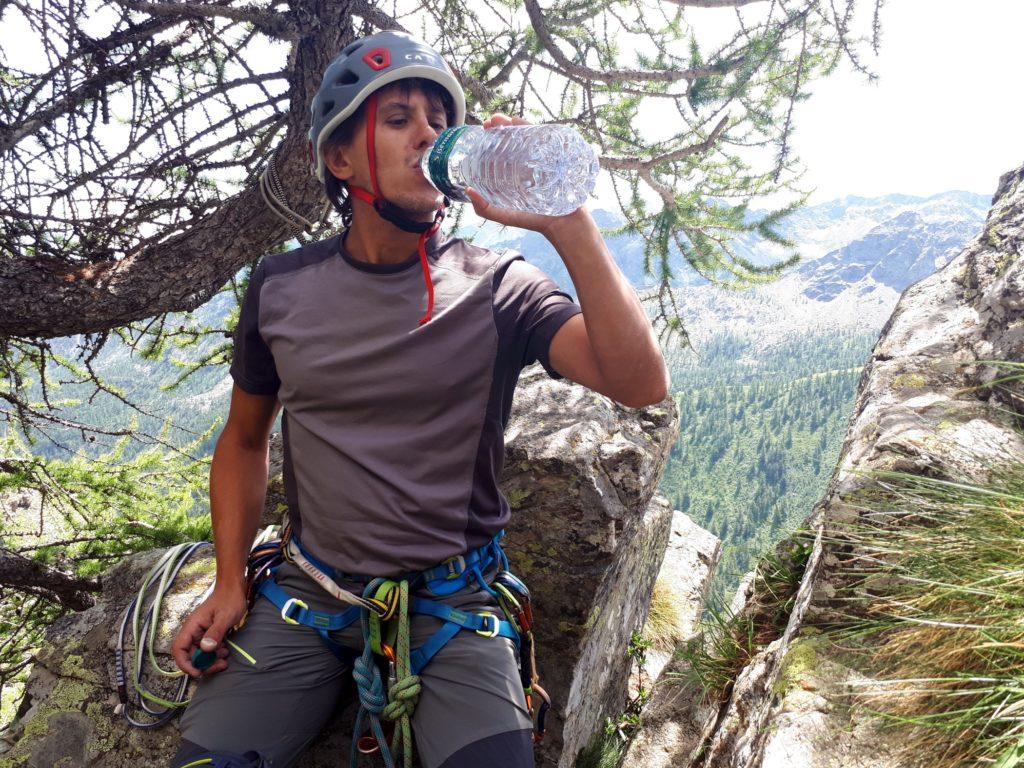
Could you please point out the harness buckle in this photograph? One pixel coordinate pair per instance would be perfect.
(456, 567)
(495, 626)
(288, 606)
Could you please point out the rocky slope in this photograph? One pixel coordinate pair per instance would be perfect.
(923, 407)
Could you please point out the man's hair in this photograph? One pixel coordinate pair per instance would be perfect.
(335, 187)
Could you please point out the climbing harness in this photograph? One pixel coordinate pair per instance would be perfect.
(386, 701)
(383, 609)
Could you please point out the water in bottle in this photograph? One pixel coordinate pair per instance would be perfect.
(545, 169)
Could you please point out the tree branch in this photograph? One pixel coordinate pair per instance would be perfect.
(89, 88)
(21, 573)
(714, 3)
(375, 16)
(636, 164)
(612, 75)
(277, 25)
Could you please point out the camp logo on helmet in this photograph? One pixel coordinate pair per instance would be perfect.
(420, 57)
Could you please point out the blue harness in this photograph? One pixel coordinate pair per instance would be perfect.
(441, 580)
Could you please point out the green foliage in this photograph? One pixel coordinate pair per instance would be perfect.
(607, 747)
(95, 512)
(760, 436)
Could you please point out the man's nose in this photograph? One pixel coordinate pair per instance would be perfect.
(426, 133)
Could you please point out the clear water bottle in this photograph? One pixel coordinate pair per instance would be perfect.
(545, 169)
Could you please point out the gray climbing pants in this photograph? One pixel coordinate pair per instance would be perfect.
(471, 710)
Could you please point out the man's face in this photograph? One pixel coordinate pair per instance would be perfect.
(407, 124)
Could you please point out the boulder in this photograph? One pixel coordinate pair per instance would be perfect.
(674, 717)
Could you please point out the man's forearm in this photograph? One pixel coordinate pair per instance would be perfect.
(624, 343)
(238, 490)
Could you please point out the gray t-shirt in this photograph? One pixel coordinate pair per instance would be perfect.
(393, 432)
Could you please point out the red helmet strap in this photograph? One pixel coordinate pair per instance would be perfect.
(371, 149)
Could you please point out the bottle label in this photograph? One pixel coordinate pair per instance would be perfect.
(438, 162)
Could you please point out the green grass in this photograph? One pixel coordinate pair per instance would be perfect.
(935, 610)
(665, 627)
(726, 641)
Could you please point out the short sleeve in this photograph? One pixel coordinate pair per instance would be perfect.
(252, 364)
(530, 307)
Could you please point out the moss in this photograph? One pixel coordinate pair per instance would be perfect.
(73, 667)
(198, 566)
(908, 381)
(993, 238)
(100, 716)
(523, 466)
(592, 617)
(517, 496)
(67, 695)
(801, 656)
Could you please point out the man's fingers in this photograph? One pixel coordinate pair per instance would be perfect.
(185, 643)
(216, 667)
(184, 662)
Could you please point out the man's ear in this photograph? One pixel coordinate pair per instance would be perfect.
(338, 161)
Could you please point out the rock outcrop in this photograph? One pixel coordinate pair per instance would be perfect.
(589, 535)
(923, 406)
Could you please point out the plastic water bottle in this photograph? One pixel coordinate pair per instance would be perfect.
(545, 169)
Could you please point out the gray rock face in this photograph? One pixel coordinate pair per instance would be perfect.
(919, 409)
(674, 718)
(588, 536)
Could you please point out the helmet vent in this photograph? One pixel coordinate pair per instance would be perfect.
(351, 47)
(328, 106)
(348, 77)
(378, 58)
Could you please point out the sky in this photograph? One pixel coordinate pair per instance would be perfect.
(945, 114)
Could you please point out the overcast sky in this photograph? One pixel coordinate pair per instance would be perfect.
(946, 113)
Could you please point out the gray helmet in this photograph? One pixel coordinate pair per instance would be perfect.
(365, 66)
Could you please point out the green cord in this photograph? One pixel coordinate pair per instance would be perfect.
(164, 567)
(404, 692)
